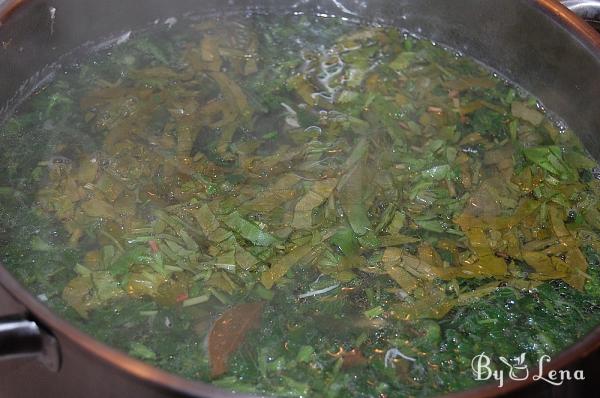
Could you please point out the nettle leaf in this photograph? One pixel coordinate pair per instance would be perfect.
(346, 241)
(550, 158)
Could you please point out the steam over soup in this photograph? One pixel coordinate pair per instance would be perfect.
(299, 206)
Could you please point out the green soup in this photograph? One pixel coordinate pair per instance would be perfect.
(299, 206)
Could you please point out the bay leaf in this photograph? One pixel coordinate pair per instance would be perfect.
(228, 333)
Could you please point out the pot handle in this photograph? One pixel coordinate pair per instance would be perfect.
(589, 10)
(23, 338)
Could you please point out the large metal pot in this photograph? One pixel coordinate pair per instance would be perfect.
(539, 44)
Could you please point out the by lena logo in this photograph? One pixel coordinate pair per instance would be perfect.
(517, 369)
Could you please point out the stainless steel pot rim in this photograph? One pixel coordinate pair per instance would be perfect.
(567, 18)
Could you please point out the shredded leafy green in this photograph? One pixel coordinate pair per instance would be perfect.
(303, 195)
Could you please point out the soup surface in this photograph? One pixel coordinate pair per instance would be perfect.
(301, 206)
